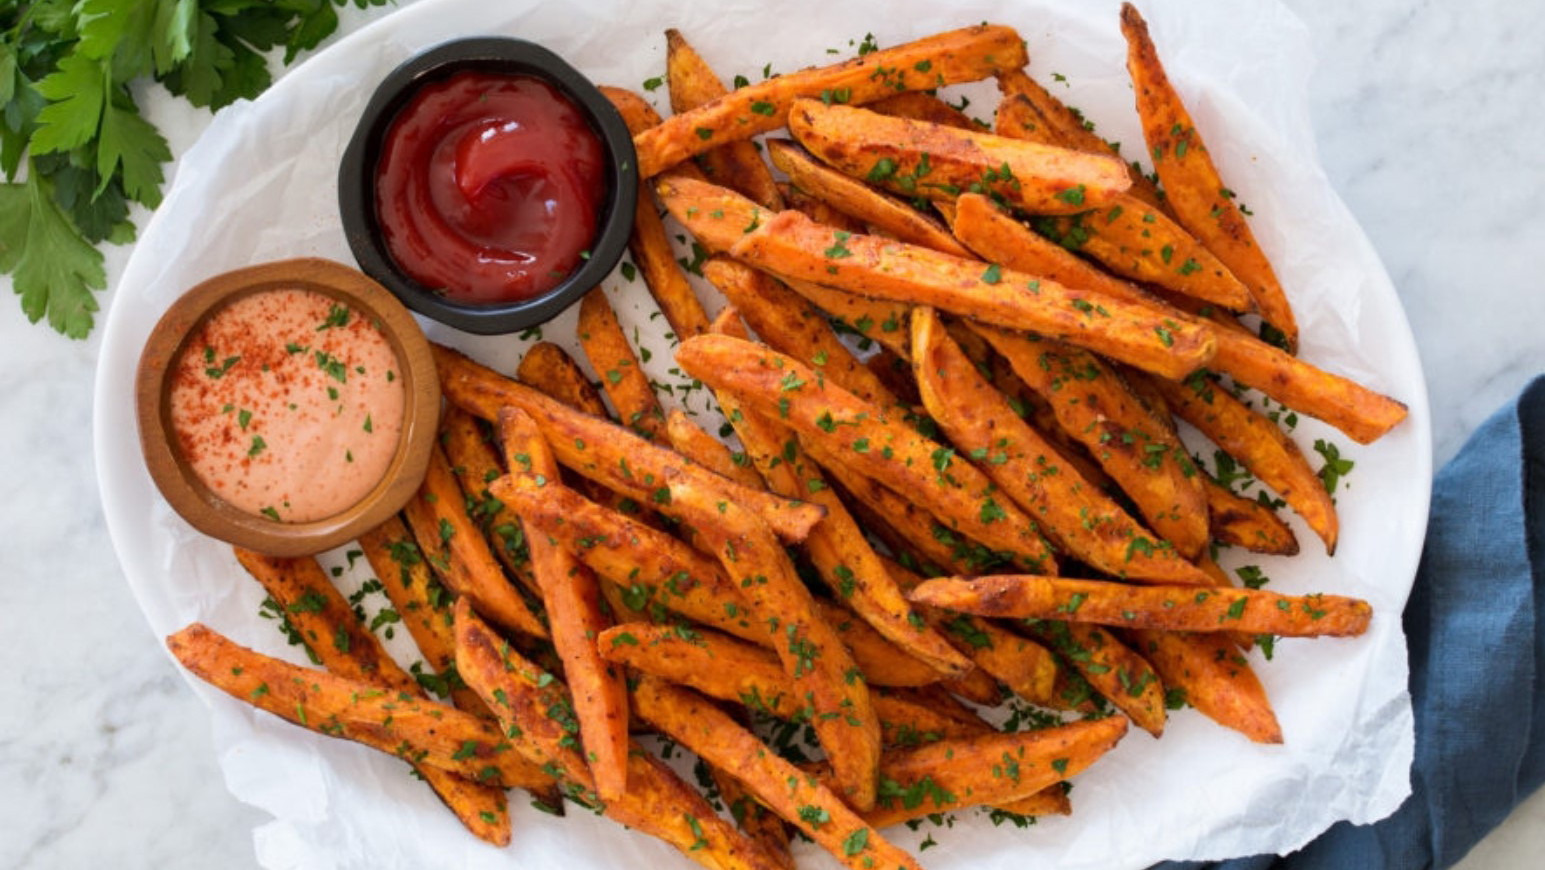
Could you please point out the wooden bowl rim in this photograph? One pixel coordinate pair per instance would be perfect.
(206, 511)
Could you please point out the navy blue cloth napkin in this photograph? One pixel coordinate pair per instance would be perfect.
(1476, 627)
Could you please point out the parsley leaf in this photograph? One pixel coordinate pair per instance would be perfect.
(70, 125)
(54, 269)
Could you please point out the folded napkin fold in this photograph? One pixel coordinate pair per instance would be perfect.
(1477, 646)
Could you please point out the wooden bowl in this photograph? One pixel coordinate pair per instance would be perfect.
(205, 510)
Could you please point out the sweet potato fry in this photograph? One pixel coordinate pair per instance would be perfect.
(1259, 446)
(879, 320)
(922, 106)
(649, 244)
(905, 526)
(651, 567)
(1245, 522)
(1192, 185)
(837, 547)
(606, 453)
(1134, 234)
(1171, 608)
(919, 158)
(731, 670)
(573, 601)
(1050, 801)
(538, 707)
(698, 725)
(715, 664)
(1136, 241)
(716, 216)
(853, 197)
(1029, 111)
(613, 359)
(818, 210)
(421, 602)
(549, 369)
(1023, 666)
(791, 246)
(1215, 679)
(396, 723)
(889, 451)
(913, 719)
(882, 662)
(895, 373)
(1094, 406)
(463, 560)
(819, 667)
(689, 439)
(323, 619)
(1361, 413)
(989, 769)
(719, 217)
(1105, 665)
(788, 323)
(692, 82)
(1068, 509)
(475, 462)
(965, 55)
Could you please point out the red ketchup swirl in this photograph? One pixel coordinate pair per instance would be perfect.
(489, 187)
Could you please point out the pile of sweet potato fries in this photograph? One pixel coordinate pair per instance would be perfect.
(576, 574)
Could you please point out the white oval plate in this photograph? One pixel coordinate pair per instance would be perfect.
(260, 185)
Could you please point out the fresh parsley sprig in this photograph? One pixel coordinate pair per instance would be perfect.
(73, 146)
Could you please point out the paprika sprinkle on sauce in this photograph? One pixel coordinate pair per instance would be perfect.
(489, 187)
(286, 403)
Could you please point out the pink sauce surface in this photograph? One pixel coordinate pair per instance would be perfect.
(288, 404)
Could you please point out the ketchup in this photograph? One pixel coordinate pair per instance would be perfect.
(489, 187)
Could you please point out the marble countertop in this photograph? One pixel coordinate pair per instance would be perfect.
(1425, 118)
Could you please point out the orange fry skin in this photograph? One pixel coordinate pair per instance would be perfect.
(689, 439)
(1215, 677)
(605, 452)
(1029, 111)
(799, 798)
(819, 667)
(470, 568)
(396, 723)
(692, 82)
(1245, 522)
(1094, 406)
(980, 422)
(920, 158)
(1363, 414)
(573, 601)
(323, 619)
(853, 197)
(790, 245)
(612, 357)
(1192, 185)
(1170, 608)
(649, 243)
(860, 432)
(656, 802)
(992, 769)
(1259, 445)
(965, 55)
(787, 322)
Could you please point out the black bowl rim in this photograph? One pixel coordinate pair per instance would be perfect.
(356, 180)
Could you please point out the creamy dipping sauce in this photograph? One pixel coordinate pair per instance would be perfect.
(288, 404)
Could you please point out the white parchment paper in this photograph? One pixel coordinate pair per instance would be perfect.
(261, 185)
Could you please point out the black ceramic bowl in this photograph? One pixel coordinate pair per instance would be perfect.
(357, 174)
